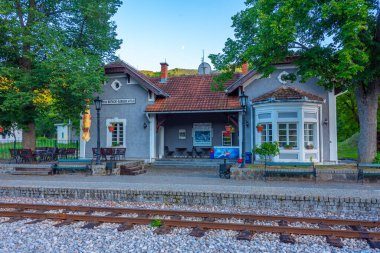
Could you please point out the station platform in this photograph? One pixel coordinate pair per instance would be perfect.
(198, 186)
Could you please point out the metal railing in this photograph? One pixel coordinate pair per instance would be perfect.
(6, 145)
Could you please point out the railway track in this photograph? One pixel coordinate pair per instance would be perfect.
(199, 222)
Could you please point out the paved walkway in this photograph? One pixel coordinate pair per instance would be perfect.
(194, 180)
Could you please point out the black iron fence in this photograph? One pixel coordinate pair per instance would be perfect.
(8, 147)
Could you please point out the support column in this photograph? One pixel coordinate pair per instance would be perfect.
(333, 135)
(82, 143)
(152, 138)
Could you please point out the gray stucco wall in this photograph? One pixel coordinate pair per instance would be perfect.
(261, 86)
(174, 122)
(137, 138)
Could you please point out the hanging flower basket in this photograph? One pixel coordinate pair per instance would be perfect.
(226, 133)
(111, 128)
(259, 128)
(228, 128)
(85, 129)
(232, 130)
(1, 130)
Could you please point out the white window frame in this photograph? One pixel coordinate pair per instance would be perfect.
(202, 127)
(151, 96)
(314, 134)
(113, 85)
(109, 135)
(287, 129)
(266, 131)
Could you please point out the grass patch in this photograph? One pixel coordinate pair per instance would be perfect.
(348, 149)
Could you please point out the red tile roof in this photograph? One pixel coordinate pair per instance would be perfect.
(286, 93)
(123, 67)
(192, 93)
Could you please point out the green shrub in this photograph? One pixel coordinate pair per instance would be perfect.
(377, 158)
(267, 149)
(156, 223)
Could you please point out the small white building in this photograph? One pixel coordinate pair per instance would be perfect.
(65, 132)
(10, 138)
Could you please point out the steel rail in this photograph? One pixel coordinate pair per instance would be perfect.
(219, 215)
(193, 224)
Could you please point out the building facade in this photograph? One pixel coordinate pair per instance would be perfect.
(182, 117)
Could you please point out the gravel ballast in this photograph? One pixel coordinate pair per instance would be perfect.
(44, 237)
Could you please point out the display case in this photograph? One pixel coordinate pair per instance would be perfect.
(226, 138)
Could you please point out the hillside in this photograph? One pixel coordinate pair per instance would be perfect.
(171, 72)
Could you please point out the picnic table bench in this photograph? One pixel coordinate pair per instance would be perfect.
(73, 165)
(270, 171)
(363, 173)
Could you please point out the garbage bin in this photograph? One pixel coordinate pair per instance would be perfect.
(211, 153)
(248, 157)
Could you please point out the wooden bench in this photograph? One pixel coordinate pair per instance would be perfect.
(73, 165)
(280, 171)
(362, 173)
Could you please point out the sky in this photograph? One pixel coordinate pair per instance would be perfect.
(175, 30)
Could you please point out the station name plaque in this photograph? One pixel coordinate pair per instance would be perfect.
(119, 101)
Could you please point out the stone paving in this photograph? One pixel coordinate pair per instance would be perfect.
(195, 180)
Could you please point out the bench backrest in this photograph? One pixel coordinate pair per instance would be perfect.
(369, 165)
(74, 160)
(304, 164)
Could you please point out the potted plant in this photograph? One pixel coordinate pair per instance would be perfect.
(228, 128)
(111, 128)
(267, 150)
(259, 128)
(115, 144)
(225, 133)
(309, 146)
(288, 146)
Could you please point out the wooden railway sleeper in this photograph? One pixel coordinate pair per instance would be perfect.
(373, 243)
(285, 237)
(330, 239)
(245, 235)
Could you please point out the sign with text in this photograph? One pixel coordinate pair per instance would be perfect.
(119, 101)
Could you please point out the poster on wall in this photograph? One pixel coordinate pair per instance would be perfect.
(226, 152)
(202, 135)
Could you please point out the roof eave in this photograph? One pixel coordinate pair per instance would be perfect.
(269, 101)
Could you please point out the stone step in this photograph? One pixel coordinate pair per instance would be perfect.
(132, 173)
(131, 169)
(131, 165)
(30, 172)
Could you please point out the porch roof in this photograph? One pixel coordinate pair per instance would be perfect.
(193, 93)
(286, 93)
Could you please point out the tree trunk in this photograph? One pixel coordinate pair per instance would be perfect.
(29, 137)
(367, 100)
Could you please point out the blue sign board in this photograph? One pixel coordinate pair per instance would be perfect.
(221, 152)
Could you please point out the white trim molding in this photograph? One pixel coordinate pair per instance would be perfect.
(152, 138)
(109, 135)
(333, 127)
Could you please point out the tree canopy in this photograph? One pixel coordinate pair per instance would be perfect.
(337, 41)
(51, 57)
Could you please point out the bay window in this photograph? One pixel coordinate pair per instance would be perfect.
(287, 135)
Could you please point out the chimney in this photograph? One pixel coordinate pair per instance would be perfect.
(164, 72)
(244, 68)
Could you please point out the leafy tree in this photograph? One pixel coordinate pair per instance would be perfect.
(347, 116)
(338, 41)
(266, 150)
(51, 57)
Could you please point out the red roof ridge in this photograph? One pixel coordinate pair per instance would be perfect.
(286, 93)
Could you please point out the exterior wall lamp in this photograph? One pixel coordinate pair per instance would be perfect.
(98, 107)
(145, 125)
